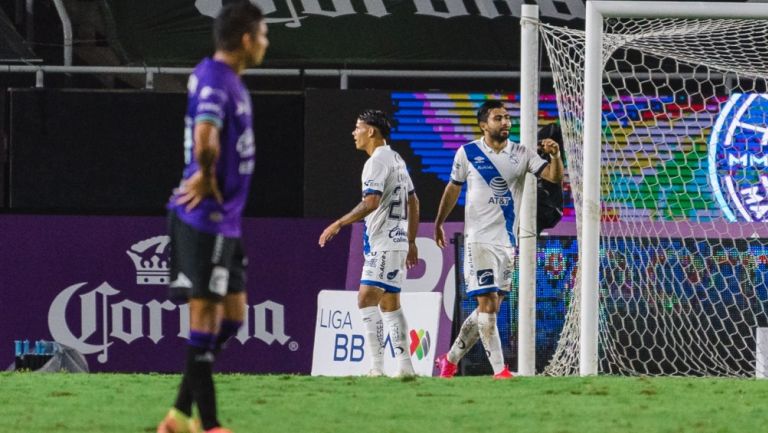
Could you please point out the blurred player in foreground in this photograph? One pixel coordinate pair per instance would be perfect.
(391, 212)
(207, 258)
(494, 169)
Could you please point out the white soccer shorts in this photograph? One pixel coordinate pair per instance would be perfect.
(385, 270)
(487, 268)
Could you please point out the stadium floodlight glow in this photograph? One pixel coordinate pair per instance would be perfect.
(665, 125)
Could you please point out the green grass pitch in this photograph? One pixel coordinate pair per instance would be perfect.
(116, 403)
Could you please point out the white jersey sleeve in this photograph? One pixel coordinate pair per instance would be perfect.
(535, 163)
(460, 169)
(374, 177)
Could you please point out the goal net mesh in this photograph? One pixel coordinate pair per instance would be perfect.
(683, 278)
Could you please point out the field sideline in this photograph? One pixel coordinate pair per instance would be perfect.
(117, 403)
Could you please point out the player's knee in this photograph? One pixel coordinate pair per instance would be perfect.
(389, 302)
(368, 297)
(488, 303)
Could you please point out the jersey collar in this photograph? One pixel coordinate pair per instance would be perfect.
(379, 148)
(488, 149)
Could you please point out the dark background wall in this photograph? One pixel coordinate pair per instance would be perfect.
(120, 152)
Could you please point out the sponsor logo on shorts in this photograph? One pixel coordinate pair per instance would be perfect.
(485, 277)
(382, 266)
(393, 274)
(219, 281)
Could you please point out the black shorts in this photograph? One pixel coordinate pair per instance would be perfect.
(204, 265)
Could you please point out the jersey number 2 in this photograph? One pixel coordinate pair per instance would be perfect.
(397, 209)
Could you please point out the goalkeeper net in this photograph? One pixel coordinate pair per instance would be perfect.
(683, 267)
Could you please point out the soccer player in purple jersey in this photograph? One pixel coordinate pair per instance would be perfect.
(207, 258)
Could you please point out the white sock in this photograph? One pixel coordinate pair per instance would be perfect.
(374, 334)
(398, 333)
(489, 334)
(468, 335)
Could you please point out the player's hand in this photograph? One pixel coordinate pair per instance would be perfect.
(328, 234)
(439, 235)
(413, 255)
(199, 186)
(550, 146)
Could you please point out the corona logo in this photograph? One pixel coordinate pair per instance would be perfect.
(151, 259)
(738, 157)
(108, 314)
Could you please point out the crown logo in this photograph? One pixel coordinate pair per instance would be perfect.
(151, 259)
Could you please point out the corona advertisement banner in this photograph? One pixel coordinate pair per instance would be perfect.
(99, 285)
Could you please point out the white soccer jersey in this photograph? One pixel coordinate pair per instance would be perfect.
(484, 220)
(386, 228)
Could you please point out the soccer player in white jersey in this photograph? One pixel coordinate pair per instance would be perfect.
(391, 212)
(494, 168)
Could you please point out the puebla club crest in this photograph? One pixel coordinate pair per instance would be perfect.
(738, 157)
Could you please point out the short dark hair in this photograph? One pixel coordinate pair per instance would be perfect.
(234, 20)
(491, 104)
(378, 119)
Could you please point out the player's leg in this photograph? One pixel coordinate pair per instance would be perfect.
(506, 257)
(397, 327)
(368, 302)
(235, 300)
(201, 265)
(182, 241)
(487, 306)
(498, 259)
(392, 272)
(468, 336)
(204, 316)
(469, 332)
(488, 266)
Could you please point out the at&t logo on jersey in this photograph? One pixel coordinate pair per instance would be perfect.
(500, 189)
(738, 157)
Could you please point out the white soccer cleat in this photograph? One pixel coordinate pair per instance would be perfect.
(375, 372)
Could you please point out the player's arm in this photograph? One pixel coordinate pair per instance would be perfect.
(553, 172)
(413, 228)
(368, 204)
(447, 203)
(203, 182)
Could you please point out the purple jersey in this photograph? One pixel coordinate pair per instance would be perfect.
(216, 95)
